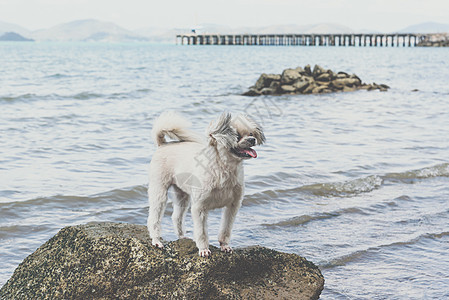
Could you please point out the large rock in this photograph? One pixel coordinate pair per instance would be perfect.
(317, 71)
(287, 89)
(117, 261)
(308, 70)
(301, 84)
(289, 76)
(323, 77)
(265, 80)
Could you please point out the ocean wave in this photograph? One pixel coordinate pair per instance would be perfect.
(27, 96)
(374, 208)
(137, 192)
(331, 189)
(263, 197)
(301, 220)
(346, 188)
(354, 256)
(86, 95)
(22, 230)
(343, 260)
(304, 219)
(58, 76)
(440, 170)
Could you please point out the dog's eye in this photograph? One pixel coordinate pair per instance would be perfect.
(251, 134)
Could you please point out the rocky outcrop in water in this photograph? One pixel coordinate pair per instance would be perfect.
(117, 261)
(309, 81)
(441, 43)
(435, 40)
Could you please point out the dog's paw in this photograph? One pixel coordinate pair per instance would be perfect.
(226, 248)
(204, 252)
(158, 244)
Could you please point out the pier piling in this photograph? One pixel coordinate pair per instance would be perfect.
(340, 40)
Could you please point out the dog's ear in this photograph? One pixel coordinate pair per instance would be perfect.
(252, 126)
(221, 133)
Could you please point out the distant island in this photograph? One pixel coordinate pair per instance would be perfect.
(14, 37)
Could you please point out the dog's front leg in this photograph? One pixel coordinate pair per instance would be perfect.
(199, 217)
(158, 200)
(227, 221)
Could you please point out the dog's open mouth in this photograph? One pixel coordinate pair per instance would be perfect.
(244, 152)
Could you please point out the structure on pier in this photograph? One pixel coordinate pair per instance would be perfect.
(362, 39)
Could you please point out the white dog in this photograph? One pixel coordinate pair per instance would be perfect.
(208, 173)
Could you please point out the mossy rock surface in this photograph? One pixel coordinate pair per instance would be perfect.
(117, 261)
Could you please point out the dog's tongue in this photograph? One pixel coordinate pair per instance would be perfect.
(250, 152)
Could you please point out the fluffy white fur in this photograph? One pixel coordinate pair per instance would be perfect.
(205, 173)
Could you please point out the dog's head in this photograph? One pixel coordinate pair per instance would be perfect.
(236, 135)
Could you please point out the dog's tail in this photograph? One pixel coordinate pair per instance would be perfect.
(174, 126)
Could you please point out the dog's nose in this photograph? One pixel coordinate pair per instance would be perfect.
(252, 141)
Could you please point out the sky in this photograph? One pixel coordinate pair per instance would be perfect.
(379, 15)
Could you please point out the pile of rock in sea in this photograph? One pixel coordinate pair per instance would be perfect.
(435, 40)
(308, 81)
(441, 43)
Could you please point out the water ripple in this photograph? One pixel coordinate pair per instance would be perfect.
(356, 255)
(86, 95)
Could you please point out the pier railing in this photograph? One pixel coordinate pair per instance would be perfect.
(362, 39)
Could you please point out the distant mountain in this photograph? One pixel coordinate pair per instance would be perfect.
(160, 35)
(87, 30)
(429, 27)
(286, 28)
(94, 30)
(9, 27)
(164, 35)
(311, 28)
(14, 37)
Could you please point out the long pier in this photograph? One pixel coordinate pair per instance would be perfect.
(361, 40)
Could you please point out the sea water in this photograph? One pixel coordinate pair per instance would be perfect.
(357, 183)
